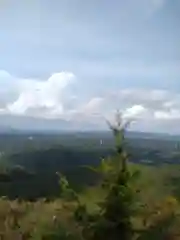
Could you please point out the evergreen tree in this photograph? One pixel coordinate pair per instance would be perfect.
(113, 220)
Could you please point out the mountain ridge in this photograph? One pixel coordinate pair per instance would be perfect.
(25, 124)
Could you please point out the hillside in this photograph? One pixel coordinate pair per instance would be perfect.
(29, 180)
(35, 161)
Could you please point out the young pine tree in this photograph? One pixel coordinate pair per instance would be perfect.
(113, 220)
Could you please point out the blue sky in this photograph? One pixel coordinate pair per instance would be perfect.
(107, 45)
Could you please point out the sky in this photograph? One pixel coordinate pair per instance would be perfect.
(80, 60)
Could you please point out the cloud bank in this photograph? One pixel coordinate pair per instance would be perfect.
(34, 96)
(54, 98)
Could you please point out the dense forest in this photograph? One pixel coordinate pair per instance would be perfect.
(29, 163)
(104, 185)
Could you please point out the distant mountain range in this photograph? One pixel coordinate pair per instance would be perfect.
(19, 124)
(147, 135)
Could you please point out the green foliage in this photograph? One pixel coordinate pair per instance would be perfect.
(114, 216)
(121, 204)
(66, 192)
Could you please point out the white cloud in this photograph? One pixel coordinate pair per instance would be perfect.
(151, 99)
(93, 106)
(36, 94)
(50, 99)
(91, 111)
(134, 111)
(173, 114)
(153, 109)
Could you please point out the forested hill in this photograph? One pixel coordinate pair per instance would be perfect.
(32, 173)
(29, 163)
(58, 158)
